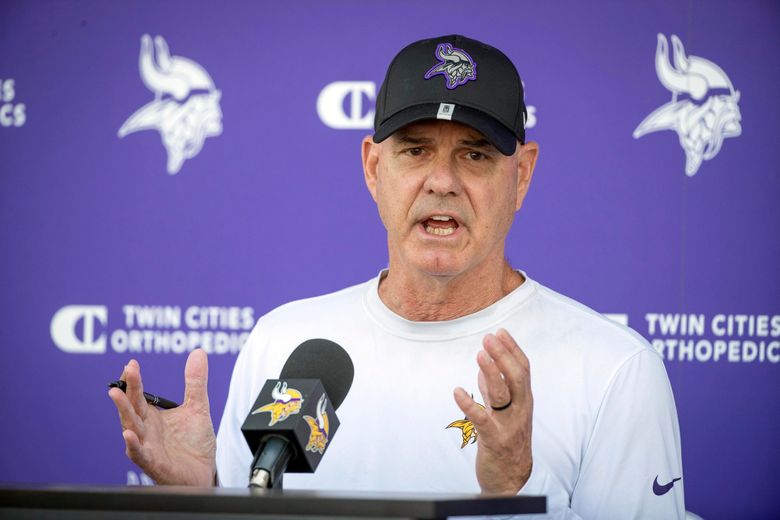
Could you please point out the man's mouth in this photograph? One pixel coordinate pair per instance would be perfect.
(441, 225)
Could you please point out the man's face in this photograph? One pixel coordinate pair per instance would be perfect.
(446, 196)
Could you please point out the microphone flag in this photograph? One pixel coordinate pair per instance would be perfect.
(297, 410)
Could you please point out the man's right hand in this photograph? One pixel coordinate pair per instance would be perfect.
(174, 446)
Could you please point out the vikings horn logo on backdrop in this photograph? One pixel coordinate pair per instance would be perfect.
(455, 65)
(287, 401)
(708, 114)
(467, 430)
(318, 438)
(185, 109)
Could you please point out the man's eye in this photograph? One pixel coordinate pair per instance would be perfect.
(476, 156)
(414, 151)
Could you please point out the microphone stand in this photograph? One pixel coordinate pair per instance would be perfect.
(270, 463)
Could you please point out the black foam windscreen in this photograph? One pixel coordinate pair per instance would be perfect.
(324, 360)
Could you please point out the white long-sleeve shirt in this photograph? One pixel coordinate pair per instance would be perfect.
(605, 434)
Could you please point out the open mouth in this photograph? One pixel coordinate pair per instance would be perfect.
(441, 225)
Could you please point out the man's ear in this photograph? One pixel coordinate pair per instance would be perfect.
(526, 162)
(370, 155)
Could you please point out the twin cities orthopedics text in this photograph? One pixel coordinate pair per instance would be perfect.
(733, 338)
(172, 329)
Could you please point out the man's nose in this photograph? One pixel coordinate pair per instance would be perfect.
(443, 178)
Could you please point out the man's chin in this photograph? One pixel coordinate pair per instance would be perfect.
(440, 266)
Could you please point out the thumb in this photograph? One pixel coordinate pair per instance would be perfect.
(196, 376)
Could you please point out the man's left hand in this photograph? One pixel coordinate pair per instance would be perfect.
(504, 458)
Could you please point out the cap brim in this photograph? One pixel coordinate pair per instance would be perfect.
(498, 135)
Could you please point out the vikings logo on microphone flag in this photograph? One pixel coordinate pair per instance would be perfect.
(287, 401)
(318, 438)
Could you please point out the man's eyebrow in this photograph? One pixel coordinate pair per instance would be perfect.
(410, 139)
(476, 143)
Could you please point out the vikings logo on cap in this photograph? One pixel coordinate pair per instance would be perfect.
(318, 438)
(287, 401)
(455, 65)
(467, 429)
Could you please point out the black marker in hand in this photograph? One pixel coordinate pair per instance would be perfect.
(156, 400)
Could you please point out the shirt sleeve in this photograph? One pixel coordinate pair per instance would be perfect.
(233, 455)
(632, 465)
(543, 482)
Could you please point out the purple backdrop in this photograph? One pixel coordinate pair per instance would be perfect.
(105, 251)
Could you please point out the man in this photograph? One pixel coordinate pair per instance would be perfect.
(550, 397)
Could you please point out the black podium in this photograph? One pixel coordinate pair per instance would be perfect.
(179, 503)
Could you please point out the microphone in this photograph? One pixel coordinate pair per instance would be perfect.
(294, 417)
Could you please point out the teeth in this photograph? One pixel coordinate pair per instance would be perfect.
(443, 218)
(439, 231)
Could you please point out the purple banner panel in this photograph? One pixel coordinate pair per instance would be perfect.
(173, 171)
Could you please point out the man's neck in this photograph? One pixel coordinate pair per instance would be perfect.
(420, 297)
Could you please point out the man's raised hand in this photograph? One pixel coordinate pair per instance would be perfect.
(504, 457)
(174, 446)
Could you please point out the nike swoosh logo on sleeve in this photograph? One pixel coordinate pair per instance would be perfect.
(662, 490)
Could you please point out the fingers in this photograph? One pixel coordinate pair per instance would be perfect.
(474, 412)
(131, 412)
(128, 417)
(492, 386)
(509, 360)
(196, 375)
(504, 375)
(135, 388)
(133, 448)
(512, 347)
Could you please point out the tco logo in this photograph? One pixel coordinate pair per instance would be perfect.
(64, 331)
(336, 112)
(331, 101)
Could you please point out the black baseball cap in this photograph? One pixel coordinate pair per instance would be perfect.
(457, 79)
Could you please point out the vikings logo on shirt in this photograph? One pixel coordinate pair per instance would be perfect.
(455, 65)
(467, 429)
(287, 401)
(318, 438)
